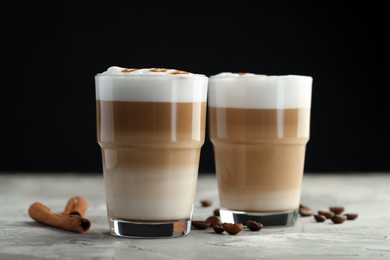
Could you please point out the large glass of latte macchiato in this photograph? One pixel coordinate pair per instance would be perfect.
(259, 128)
(150, 127)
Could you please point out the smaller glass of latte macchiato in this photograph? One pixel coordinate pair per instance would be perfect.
(259, 128)
(150, 127)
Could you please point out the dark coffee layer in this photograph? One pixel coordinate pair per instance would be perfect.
(237, 124)
(122, 123)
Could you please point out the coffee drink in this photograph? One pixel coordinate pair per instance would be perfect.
(259, 127)
(151, 127)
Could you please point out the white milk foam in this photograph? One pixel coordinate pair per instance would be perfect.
(248, 90)
(150, 84)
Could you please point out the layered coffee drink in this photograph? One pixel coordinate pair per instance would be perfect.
(151, 127)
(259, 128)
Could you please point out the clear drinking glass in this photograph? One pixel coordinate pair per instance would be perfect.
(259, 128)
(150, 126)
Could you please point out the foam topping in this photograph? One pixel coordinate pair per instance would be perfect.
(138, 85)
(237, 74)
(249, 90)
(115, 70)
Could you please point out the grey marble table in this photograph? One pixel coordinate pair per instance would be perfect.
(367, 237)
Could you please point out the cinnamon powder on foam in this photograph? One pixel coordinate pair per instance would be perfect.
(157, 70)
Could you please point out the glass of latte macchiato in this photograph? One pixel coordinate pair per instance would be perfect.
(150, 127)
(259, 128)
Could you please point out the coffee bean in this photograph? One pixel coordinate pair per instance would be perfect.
(303, 206)
(199, 224)
(253, 225)
(335, 213)
(327, 214)
(338, 219)
(231, 228)
(336, 209)
(206, 203)
(305, 212)
(218, 229)
(351, 216)
(320, 218)
(216, 212)
(214, 220)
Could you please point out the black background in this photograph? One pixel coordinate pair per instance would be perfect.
(50, 54)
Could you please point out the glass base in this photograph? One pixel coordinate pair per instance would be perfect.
(124, 228)
(284, 218)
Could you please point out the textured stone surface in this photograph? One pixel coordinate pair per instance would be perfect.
(367, 237)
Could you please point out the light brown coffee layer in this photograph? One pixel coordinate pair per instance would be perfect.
(148, 158)
(259, 177)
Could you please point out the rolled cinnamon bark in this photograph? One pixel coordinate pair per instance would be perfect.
(43, 214)
(76, 205)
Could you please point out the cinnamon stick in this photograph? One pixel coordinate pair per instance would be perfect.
(43, 214)
(76, 205)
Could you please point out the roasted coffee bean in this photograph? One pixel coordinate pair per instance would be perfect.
(216, 212)
(351, 216)
(253, 225)
(336, 209)
(231, 228)
(206, 203)
(335, 213)
(214, 220)
(320, 218)
(303, 206)
(327, 214)
(199, 224)
(218, 229)
(338, 219)
(305, 212)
